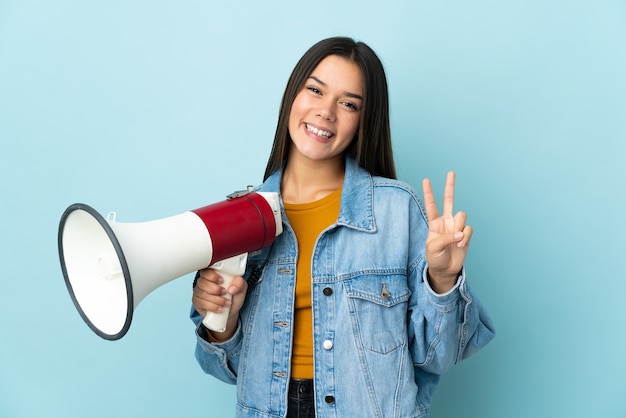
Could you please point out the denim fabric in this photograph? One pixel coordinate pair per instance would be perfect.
(382, 338)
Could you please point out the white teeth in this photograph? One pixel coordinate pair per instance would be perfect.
(319, 132)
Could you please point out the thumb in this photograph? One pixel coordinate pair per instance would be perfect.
(238, 284)
(439, 244)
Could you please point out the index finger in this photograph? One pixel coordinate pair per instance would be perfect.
(210, 275)
(429, 200)
(448, 194)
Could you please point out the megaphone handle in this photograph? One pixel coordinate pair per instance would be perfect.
(227, 269)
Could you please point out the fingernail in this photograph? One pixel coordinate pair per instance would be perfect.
(458, 235)
(232, 290)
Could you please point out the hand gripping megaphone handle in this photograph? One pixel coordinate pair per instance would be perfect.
(227, 269)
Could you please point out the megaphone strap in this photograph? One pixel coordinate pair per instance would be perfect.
(255, 274)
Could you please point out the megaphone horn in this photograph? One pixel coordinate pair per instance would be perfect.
(109, 266)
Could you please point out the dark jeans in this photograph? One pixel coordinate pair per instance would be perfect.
(301, 399)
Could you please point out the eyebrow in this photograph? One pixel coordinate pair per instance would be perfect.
(347, 93)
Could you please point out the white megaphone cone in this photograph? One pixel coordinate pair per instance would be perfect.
(109, 267)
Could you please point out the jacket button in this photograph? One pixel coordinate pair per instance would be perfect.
(329, 399)
(327, 291)
(328, 344)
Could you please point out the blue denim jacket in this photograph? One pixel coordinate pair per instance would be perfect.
(382, 338)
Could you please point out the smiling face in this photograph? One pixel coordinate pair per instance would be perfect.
(325, 114)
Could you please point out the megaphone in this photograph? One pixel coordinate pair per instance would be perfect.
(109, 266)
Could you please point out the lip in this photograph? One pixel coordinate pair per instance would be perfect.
(316, 136)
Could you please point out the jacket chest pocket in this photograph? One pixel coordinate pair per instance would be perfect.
(378, 310)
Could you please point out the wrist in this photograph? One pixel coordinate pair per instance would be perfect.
(219, 337)
(441, 283)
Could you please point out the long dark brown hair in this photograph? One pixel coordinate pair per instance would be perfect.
(372, 145)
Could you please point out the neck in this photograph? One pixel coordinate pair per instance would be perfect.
(306, 181)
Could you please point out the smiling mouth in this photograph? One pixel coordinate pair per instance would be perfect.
(319, 132)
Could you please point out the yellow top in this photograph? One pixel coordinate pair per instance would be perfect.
(308, 220)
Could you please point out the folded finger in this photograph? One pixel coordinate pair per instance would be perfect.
(467, 235)
(459, 221)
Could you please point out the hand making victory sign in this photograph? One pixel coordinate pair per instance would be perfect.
(448, 237)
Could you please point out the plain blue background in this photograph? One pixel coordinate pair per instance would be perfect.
(153, 108)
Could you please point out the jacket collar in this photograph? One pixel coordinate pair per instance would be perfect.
(356, 209)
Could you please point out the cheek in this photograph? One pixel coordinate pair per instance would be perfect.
(354, 126)
(295, 114)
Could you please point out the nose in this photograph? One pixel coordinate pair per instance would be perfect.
(326, 111)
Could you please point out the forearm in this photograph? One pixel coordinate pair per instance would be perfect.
(219, 359)
(455, 319)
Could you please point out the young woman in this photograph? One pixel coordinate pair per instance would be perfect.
(362, 304)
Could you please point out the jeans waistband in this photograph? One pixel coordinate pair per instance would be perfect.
(301, 388)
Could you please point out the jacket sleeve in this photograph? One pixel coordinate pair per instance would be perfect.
(217, 359)
(445, 328)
